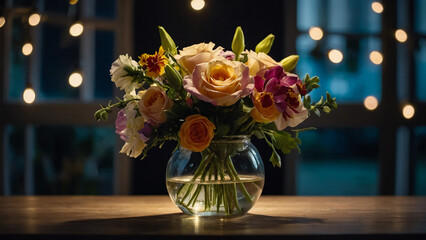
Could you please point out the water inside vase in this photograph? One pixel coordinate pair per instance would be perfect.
(223, 197)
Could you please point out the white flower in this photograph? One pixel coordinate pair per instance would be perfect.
(120, 76)
(134, 145)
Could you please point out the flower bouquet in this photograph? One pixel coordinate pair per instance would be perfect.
(211, 101)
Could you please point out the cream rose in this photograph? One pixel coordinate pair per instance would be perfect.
(190, 56)
(153, 104)
(258, 63)
(220, 82)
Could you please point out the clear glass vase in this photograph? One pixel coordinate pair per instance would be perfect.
(226, 179)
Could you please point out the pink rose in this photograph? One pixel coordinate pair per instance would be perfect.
(153, 104)
(220, 82)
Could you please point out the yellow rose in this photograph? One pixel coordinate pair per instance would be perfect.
(259, 63)
(190, 56)
(264, 110)
(153, 104)
(196, 133)
(220, 82)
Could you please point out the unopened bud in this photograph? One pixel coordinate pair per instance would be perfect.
(265, 45)
(167, 41)
(290, 62)
(238, 42)
(173, 77)
(97, 114)
(104, 115)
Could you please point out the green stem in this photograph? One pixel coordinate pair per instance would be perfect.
(240, 184)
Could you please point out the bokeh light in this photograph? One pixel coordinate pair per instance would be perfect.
(316, 33)
(376, 57)
(76, 29)
(408, 111)
(401, 35)
(27, 49)
(335, 56)
(2, 21)
(29, 95)
(34, 19)
(371, 103)
(197, 4)
(75, 79)
(377, 7)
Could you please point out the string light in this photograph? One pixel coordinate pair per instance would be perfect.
(76, 29)
(408, 111)
(377, 7)
(376, 57)
(335, 56)
(371, 103)
(34, 19)
(401, 35)
(197, 4)
(27, 49)
(2, 21)
(75, 79)
(29, 95)
(316, 33)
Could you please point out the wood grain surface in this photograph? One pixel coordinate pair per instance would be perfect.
(156, 217)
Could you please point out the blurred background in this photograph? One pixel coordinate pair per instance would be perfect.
(54, 67)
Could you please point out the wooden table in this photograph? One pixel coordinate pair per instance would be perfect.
(155, 217)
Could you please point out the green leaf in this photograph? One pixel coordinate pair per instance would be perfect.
(303, 129)
(284, 141)
(317, 112)
(275, 158)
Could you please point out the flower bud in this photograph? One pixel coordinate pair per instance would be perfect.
(167, 41)
(104, 115)
(238, 42)
(97, 114)
(290, 62)
(173, 77)
(265, 45)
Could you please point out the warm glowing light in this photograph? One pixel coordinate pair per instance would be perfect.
(316, 33)
(27, 49)
(34, 19)
(377, 7)
(72, 2)
(75, 79)
(2, 21)
(371, 103)
(408, 111)
(401, 35)
(29, 95)
(197, 4)
(376, 57)
(335, 56)
(76, 29)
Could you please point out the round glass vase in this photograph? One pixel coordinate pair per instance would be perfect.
(226, 179)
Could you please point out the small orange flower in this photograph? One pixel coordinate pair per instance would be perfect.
(196, 133)
(153, 64)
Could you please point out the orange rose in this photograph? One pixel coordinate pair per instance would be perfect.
(196, 133)
(264, 110)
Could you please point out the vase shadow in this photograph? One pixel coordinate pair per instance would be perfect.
(181, 224)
